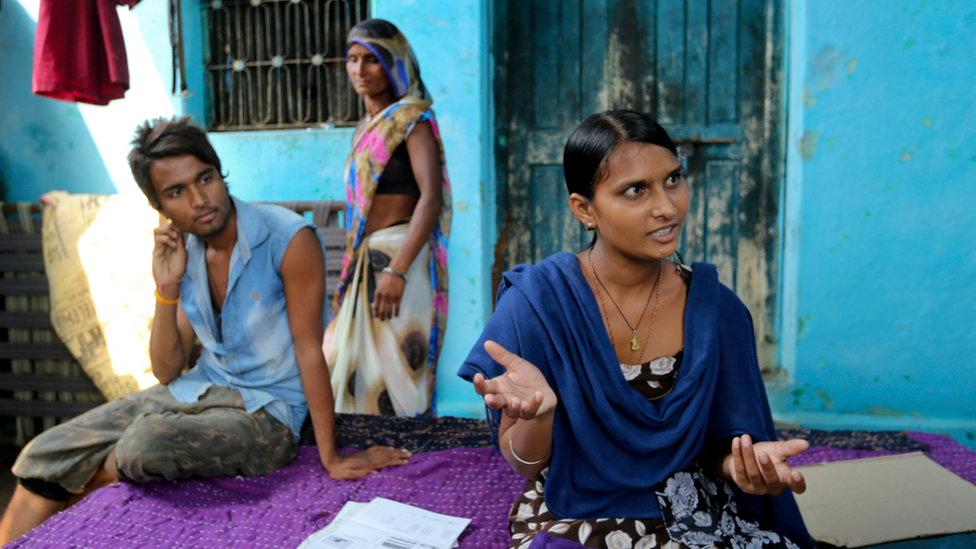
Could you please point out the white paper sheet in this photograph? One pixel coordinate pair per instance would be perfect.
(348, 510)
(387, 524)
(412, 522)
(353, 535)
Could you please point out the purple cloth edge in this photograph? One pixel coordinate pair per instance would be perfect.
(944, 450)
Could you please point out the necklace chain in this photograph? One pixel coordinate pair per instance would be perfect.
(634, 345)
(612, 300)
(373, 113)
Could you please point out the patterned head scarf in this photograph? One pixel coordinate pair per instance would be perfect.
(394, 52)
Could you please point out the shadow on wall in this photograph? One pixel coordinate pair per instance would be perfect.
(45, 144)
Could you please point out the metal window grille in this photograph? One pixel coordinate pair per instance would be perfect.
(275, 64)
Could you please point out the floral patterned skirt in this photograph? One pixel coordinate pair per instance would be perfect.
(698, 512)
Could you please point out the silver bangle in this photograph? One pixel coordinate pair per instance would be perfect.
(520, 460)
(393, 271)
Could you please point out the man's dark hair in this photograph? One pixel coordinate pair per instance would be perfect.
(164, 138)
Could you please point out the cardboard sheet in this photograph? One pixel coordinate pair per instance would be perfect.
(868, 501)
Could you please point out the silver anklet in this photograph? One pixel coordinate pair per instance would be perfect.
(512, 448)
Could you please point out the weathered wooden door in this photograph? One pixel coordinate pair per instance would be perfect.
(707, 70)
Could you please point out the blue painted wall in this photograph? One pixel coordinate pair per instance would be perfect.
(47, 144)
(38, 137)
(285, 165)
(879, 324)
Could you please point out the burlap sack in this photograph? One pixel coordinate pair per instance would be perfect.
(98, 258)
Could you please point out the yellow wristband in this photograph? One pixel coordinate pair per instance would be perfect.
(165, 301)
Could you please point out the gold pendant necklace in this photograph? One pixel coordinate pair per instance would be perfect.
(634, 342)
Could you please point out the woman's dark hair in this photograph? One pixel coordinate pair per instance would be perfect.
(164, 138)
(594, 140)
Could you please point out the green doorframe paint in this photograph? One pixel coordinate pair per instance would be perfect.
(787, 319)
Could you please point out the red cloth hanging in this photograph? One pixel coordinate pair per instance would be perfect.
(79, 53)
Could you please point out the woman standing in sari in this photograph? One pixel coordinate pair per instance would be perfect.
(626, 388)
(390, 308)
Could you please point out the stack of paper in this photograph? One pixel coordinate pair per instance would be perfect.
(387, 524)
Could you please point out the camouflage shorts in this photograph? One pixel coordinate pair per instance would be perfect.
(157, 437)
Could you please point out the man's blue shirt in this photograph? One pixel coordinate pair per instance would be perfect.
(251, 350)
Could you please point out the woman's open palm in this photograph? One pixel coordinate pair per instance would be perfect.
(760, 468)
(522, 391)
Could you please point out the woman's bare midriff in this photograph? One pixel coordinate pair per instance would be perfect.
(388, 209)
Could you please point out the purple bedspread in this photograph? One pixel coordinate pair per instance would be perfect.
(945, 451)
(282, 509)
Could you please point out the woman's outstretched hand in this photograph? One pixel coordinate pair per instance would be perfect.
(761, 468)
(522, 391)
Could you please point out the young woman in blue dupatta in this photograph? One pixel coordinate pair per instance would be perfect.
(626, 387)
(390, 308)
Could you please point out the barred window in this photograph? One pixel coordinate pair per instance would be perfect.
(275, 64)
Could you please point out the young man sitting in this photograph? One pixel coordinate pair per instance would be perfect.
(247, 280)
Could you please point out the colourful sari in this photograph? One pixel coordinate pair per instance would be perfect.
(388, 367)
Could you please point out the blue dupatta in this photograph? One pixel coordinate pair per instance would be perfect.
(611, 446)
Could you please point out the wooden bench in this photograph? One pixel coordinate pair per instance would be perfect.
(39, 377)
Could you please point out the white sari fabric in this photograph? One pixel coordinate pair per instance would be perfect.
(382, 367)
